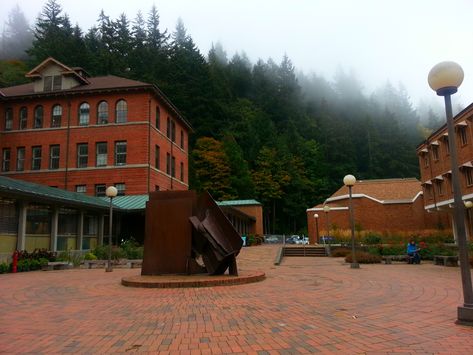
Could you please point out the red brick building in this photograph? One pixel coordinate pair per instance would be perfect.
(383, 206)
(80, 133)
(435, 167)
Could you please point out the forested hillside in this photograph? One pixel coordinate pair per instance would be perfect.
(262, 130)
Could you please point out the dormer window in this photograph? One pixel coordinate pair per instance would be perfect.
(52, 83)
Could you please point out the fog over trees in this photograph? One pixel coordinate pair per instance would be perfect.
(261, 130)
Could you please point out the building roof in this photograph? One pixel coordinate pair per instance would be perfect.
(129, 202)
(42, 193)
(385, 191)
(238, 203)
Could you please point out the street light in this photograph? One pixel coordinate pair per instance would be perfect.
(110, 192)
(316, 216)
(445, 78)
(326, 210)
(349, 181)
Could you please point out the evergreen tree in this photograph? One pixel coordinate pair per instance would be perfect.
(17, 36)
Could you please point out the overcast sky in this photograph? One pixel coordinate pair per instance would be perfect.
(395, 40)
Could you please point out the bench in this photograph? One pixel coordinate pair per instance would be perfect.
(132, 263)
(446, 260)
(56, 265)
(388, 259)
(88, 263)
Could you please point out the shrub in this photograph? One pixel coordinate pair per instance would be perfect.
(4, 268)
(131, 249)
(90, 256)
(372, 239)
(101, 252)
(393, 250)
(364, 258)
(340, 252)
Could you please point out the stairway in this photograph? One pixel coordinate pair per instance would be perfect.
(304, 251)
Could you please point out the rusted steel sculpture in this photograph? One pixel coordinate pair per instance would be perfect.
(186, 234)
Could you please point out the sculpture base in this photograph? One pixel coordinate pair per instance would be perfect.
(465, 316)
(183, 281)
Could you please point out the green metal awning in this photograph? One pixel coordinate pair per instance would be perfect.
(238, 203)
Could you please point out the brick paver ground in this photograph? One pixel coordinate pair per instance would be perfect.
(306, 305)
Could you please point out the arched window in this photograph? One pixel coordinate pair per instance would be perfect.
(158, 118)
(121, 111)
(38, 117)
(102, 112)
(8, 119)
(56, 116)
(84, 114)
(23, 118)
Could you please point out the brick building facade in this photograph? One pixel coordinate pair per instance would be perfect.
(435, 167)
(80, 133)
(382, 206)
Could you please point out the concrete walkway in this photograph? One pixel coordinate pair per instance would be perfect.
(306, 305)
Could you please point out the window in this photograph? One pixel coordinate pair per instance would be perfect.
(173, 131)
(182, 171)
(158, 118)
(173, 167)
(120, 188)
(82, 155)
(38, 117)
(38, 220)
(100, 190)
(84, 114)
(120, 153)
(82, 189)
(52, 83)
(157, 152)
(23, 118)
(468, 177)
(463, 136)
(447, 148)
(435, 152)
(8, 119)
(36, 158)
(168, 127)
(6, 159)
(440, 187)
(182, 139)
(20, 159)
(56, 116)
(101, 154)
(102, 112)
(121, 111)
(8, 217)
(426, 161)
(168, 163)
(156, 187)
(54, 152)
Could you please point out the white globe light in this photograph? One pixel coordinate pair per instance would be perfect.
(349, 180)
(468, 204)
(316, 215)
(445, 77)
(326, 208)
(111, 191)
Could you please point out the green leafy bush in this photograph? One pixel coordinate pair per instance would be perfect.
(364, 258)
(101, 252)
(372, 239)
(132, 249)
(393, 250)
(4, 268)
(90, 256)
(340, 252)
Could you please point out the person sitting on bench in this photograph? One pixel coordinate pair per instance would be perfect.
(413, 253)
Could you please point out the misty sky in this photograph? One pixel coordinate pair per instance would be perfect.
(395, 40)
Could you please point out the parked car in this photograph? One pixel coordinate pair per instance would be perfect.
(271, 240)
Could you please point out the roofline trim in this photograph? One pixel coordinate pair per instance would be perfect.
(447, 202)
(321, 209)
(383, 202)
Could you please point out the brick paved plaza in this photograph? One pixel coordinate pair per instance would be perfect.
(306, 305)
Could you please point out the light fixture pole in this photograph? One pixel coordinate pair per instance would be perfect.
(327, 210)
(111, 192)
(444, 79)
(349, 181)
(316, 216)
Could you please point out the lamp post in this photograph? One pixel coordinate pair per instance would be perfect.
(327, 210)
(349, 181)
(111, 192)
(316, 216)
(445, 78)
